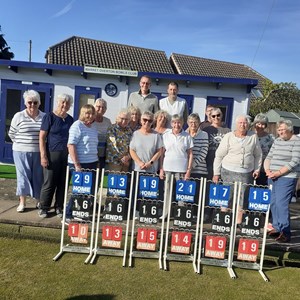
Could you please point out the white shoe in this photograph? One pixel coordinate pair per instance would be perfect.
(294, 199)
(21, 207)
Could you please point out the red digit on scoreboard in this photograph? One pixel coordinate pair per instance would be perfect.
(152, 236)
(176, 238)
(73, 229)
(186, 238)
(117, 233)
(142, 235)
(83, 231)
(107, 232)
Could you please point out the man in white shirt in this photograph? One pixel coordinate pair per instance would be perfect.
(173, 104)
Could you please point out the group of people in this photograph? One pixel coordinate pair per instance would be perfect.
(149, 136)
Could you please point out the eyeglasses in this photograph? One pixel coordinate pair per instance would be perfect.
(218, 116)
(147, 120)
(32, 102)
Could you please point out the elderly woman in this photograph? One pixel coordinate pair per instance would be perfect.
(102, 124)
(24, 133)
(282, 168)
(160, 121)
(118, 139)
(200, 139)
(266, 140)
(54, 154)
(83, 141)
(238, 158)
(135, 117)
(145, 146)
(177, 154)
(215, 133)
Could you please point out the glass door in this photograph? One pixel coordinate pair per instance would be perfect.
(11, 102)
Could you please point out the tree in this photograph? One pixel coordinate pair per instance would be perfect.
(284, 96)
(4, 49)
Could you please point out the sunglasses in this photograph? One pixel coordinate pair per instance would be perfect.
(32, 102)
(147, 120)
(218, 115)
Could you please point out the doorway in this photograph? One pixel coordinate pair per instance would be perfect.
(11, 102)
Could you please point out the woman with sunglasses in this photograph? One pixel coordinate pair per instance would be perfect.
(145, 146)
(215, 133)
(24, 133)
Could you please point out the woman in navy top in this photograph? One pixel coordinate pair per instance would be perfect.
(54, 154)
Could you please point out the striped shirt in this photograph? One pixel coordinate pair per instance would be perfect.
(24, 131)
(86, 141)
(285, 153)
(200, 150)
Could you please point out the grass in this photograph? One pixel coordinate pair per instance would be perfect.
(28, 272)
(8, 171)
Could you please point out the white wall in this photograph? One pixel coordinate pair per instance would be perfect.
(65, 82)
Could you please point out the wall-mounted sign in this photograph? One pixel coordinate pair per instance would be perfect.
(97, 70)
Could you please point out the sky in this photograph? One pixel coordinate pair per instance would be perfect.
(262, 34)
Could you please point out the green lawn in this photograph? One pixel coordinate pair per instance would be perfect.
(7, 171)
(28, 272)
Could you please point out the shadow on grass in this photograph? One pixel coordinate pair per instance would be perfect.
(91, 297)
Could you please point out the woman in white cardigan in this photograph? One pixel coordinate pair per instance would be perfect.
(238, 157)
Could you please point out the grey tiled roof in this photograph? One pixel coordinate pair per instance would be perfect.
(78, 51)
(198, 66)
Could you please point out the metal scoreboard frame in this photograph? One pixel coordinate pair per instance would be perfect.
(215, 239)
(146, 228)
(80, 233)
(250, 237)
(114, 217)
(182, 236)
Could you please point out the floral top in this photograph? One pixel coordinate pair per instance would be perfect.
(117, 140)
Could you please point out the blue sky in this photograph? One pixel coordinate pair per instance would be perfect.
(263, 34)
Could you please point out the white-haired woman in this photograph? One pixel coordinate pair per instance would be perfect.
(238, 158)
(177, 154)
(266, 140)
(54, 136)
(24, 133)
(282, 166)
(102, 124)
(118, 139)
